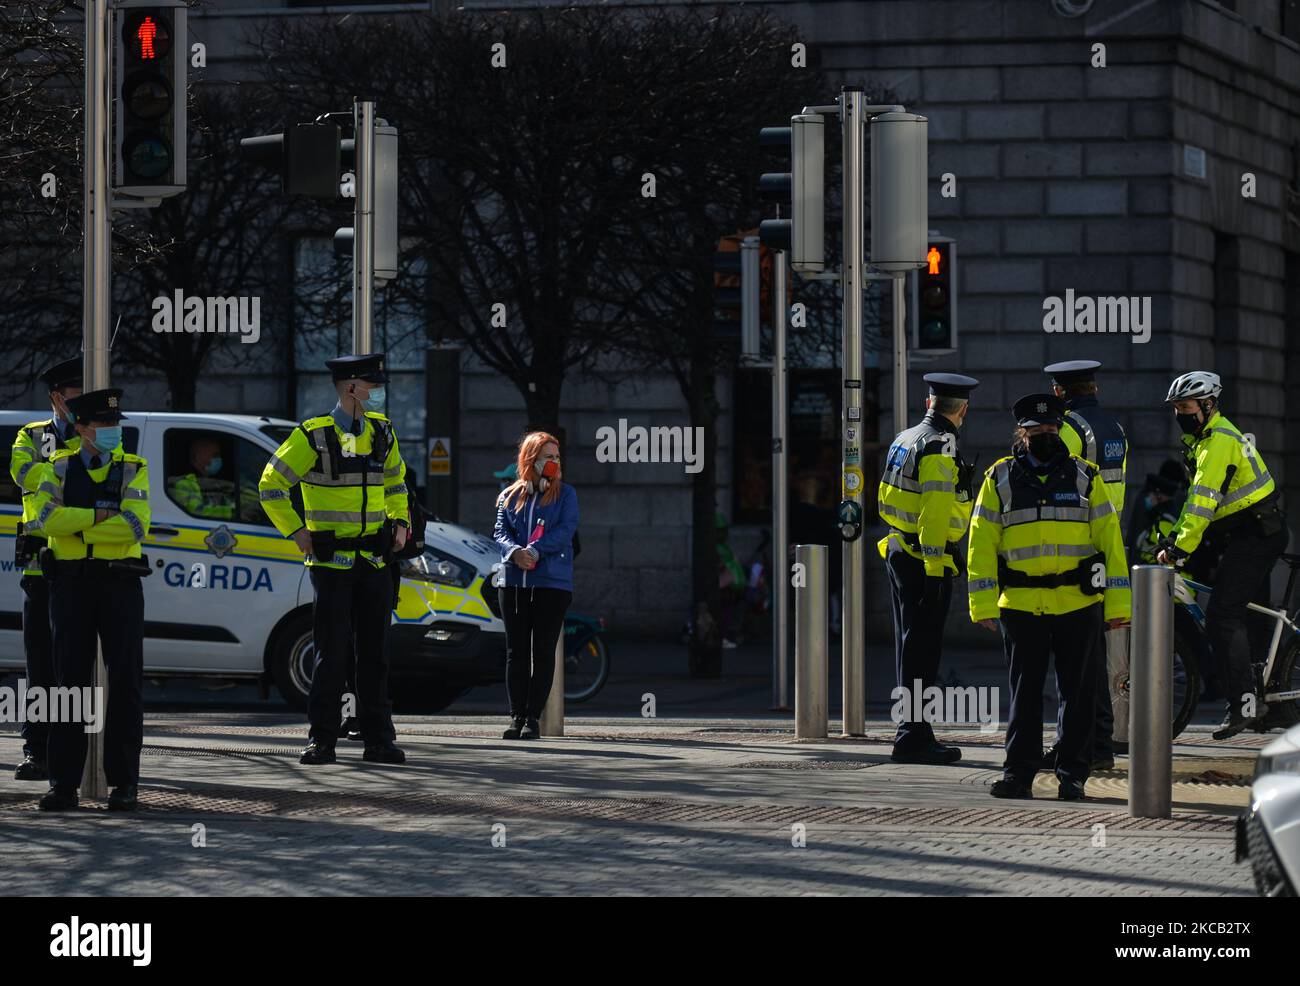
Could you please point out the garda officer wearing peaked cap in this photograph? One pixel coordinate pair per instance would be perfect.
(925, 497)
(92, 505)
(34, 443)
(350, 472)
(1095, 435)
(1046, 559)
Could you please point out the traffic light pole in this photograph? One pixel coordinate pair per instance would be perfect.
(780, 488)
(363, 240)
(853, 637)
(900, 353)
(97, 283)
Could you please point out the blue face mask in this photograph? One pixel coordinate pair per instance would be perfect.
(375, 402)
(108, 438)
(214, 465)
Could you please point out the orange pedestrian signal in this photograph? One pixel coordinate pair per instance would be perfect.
(933, 259)
(145, 33)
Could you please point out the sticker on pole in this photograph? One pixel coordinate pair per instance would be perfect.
(440, 456)
(852, 481)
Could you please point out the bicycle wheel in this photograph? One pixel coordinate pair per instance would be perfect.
(586, 669)
(1286, 678)
(1189, 648)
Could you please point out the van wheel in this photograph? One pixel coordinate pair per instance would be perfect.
(292, 659)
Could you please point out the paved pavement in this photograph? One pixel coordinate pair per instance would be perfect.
(720, 805)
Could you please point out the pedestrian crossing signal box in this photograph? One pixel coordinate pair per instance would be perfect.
(932, 304)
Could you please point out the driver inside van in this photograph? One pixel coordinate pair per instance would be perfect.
(199, 492)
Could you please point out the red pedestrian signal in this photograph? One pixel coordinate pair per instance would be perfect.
(933, 307)
(149, 113)
(932, 258)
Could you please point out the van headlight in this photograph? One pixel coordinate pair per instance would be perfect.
(1287, 762)
(437, 567)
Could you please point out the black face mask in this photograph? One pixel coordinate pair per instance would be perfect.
(1190, 423)
(1045, 446)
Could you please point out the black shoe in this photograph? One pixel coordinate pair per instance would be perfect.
(514, 729)
(1103, 761)
(385, 752)
(350, 729)
(1233, 723)
(1011, 788)
(123, 798)
(1070, 791)
(1048, 762)
(58, 798)
(32, 769)
(532, 729)
(935, 753)
(318, 752)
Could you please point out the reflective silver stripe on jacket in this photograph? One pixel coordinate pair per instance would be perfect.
(398, 490)
(346, 516)
(322, 474)
(283, 468)
(1206, 492)
(24, 469)
(134, 494)
(895, 477)
(1198, 511)
(1101, 511)
(1002, 479)
(937, 486)
(892, 511)
(987, 514)
(1085, 432)
(1049, 551)
(1112, 475)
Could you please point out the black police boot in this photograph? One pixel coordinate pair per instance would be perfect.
(532, 730)
(935, 753)
(58, 798)
(1048, 762)
(318, 752)
(1233, 723)
(1103, 761)
(123, 798)
(515, 728)
(32, 769)
(350, 729)
(1070, 790)
(1009, 787)
(385, 752)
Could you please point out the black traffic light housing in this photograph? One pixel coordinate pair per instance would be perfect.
(150, 62)
(934, 299)
(308, 157)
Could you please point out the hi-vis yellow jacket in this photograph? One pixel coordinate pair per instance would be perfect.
(924, 496)
(1228, 475)
(68, 518)
(348, 485)
(1045, 526)
(31, 444)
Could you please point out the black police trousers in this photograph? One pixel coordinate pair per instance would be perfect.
(39, 647)
(534, 619)
(353, 609)
(1241, 578)
(1030, 641)
(918, 638)
(111, 606)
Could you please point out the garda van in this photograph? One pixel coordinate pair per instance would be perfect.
(228, 597)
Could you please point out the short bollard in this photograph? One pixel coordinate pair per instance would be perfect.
(1151, 711)
(810, 642)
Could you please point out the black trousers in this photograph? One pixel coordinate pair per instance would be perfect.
(353, 609)
(918, 637)
(1030, 642)
(1242, 578)
(39, 646)
(533, 619)
(112, 608)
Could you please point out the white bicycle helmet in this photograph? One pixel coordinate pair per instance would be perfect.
(1197, 385)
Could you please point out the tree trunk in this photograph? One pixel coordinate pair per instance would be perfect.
(705, 658)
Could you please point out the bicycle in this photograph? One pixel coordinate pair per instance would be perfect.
(1277, 677)
(586, 656)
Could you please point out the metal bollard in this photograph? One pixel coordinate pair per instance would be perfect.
(1151, 712)
(810, 643)
(552, 721)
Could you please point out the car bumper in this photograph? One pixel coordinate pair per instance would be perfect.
(450, 650)
(1269, 832)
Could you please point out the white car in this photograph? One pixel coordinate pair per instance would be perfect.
(229, 597)
(1268, 834)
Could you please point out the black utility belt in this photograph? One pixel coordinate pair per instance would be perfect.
(949, 548)
(53, 568)
(326, 543)
(1265, 517)
(1080, 577)
(27, 547)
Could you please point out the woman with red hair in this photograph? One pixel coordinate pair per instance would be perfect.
(537, 515)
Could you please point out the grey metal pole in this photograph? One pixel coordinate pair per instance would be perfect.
(363, 237)
(810, 658)
(780, 489)
(552, 722)
(1150, 777)
(900, 353)
(750, 297)
(97, 284)
(852, 118)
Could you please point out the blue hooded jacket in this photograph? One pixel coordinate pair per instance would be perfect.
(554, 548)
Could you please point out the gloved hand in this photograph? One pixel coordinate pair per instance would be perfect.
(932, 592)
